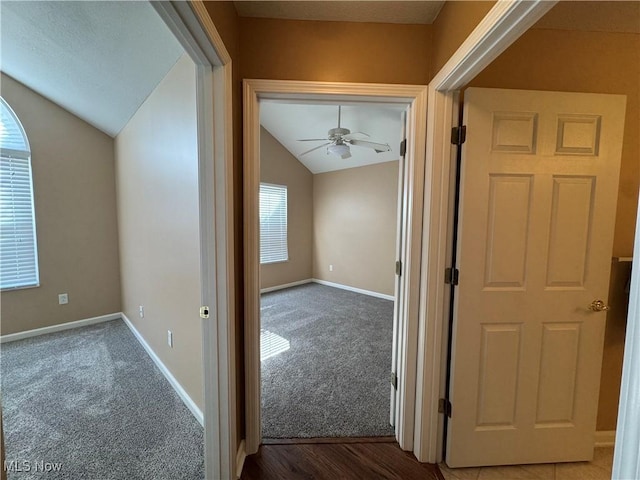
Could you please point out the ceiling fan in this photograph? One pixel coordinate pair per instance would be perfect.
(339, 140)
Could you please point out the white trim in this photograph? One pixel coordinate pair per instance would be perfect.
(416, 97)
(605, 438)
(241, 455)
(193, 27)
(12, 337)
(504, 23)
(182, 393)
(285, 285)
(626, 458)
(354, 289)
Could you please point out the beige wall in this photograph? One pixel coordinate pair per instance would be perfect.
(157, 188)
(455, 22)
(355, 212)
(279, 167)
(334, 51)
(596, 62)
(75, 204)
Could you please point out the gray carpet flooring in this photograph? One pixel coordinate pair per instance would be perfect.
(333, 381)
(93, 401)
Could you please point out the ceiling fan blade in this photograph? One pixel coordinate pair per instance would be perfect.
(378, 147)
(345, 155)
(352, 136)
(315, 148)
(312, 140)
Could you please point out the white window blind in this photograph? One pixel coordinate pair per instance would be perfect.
(273, 223)
(18, 248)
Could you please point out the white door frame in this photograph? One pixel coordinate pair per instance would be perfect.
(194, 29)
(626, 459)
(416, 97)
(502, 25)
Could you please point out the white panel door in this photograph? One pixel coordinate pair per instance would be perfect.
(538, 203)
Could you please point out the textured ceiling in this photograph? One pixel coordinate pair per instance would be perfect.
(289, 122)
(412, 12)
(99, 60)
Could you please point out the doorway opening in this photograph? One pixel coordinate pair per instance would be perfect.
(329, 240)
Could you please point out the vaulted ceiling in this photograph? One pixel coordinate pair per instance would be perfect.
(98, 60)
(291, 122)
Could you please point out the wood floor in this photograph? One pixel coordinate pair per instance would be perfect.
(333, 461)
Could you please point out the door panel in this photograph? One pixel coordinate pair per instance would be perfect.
(538, 195)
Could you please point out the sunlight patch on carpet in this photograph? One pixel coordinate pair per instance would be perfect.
(271, 344)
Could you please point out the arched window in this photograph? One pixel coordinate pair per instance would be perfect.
(18, 247)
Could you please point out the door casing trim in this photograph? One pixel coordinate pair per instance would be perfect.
(416, 97)
(193, 28)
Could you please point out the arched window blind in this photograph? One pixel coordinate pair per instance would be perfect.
(273, 223)
(18, 247)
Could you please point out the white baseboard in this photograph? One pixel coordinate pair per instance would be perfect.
(286, 285)
(240, 456)
(605, 438)
(354, 289)
(184, 396)
(12, 337)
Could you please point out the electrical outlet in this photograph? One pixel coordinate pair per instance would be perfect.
(141, 311)
(170, 338)
(63, 299)
(331, 268)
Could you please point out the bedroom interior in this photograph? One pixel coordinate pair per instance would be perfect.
(84, 392)
(275, 48)
(332, 381)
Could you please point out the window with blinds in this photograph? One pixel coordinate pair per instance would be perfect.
(273, 223)
(18, 248)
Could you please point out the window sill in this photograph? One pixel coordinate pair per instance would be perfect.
(22, 287)
(274, 262)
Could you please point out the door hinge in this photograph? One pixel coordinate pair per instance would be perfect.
(204, 312)
(458, 135)
(394, 381)
(403, 147)
(398, 268)
(444, 406)
(451, 276)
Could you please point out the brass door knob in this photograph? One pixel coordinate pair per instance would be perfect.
(599, 306)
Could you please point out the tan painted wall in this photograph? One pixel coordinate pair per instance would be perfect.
(334, 51)
(455, 22)
(279, 167)
(157, 187)
(355, 212)
(597, 62)
(75, 204)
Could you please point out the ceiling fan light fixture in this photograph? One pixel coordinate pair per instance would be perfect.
(338, 149)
